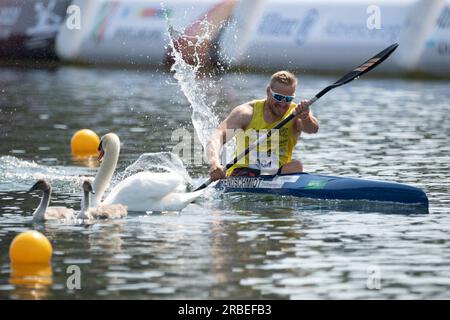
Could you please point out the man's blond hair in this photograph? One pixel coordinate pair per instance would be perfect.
(283, 77)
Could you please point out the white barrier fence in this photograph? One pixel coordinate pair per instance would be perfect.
(319, 35)
(325, 35)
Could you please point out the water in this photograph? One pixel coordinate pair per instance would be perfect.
(229, 246)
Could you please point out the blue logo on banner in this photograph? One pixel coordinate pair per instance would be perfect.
(275, 25)
(309, 20)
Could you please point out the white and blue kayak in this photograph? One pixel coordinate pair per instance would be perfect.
(305, 185)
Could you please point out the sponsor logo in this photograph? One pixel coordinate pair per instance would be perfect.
(274, 24)
(107, 10)
(133, 33)
(342, 30)
(115, 11)
(316, 184)
(290, 179)
(144, 13)
(444, 19)
(308, 22)
(260, 183)
(159, 13)
(264, 164)
(443, 48)
(47, 25)
(47, 20)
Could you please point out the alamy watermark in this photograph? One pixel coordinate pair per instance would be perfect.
(374, 19)
(373, 278)
(73, 21)
(74, 279)
(265, 156)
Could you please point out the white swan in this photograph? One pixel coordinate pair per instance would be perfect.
(143, 191)
(152, 191)
(43, 211)
(112, 211)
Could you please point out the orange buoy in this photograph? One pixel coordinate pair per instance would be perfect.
(30, 247)
(84, 143)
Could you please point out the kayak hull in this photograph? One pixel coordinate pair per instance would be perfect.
(315, 186)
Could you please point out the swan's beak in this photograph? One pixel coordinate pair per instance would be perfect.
(101, 153)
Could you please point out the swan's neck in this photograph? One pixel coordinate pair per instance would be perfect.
(84, 213)
(86, 201)
(39, 213)
(104, 175)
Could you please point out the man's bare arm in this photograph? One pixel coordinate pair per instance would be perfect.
(305, 121)
(239, 118)
(309, 125)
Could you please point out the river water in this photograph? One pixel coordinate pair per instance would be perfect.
(229, 246)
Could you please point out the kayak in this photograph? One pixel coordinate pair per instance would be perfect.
(306, 185)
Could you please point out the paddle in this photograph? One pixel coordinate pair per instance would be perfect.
(352, 75)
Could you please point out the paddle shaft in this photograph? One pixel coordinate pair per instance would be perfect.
(352, 75)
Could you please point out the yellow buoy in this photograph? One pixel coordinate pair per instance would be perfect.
(30, 247)
(84, 143)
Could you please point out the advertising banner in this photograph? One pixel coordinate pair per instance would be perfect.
(135, 32)
(29, 28)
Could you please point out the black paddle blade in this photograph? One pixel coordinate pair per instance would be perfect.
(362, 69)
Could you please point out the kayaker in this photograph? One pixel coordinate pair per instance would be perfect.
(248, 120)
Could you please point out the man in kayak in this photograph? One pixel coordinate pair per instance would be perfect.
(254, 118)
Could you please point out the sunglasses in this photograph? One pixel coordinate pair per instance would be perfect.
(281, 98)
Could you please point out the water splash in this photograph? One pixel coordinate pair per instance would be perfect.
(154, 162)
(17, 174)
(203, 117)
(204, 120)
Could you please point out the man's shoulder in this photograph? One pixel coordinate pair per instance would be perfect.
(245, 109)
(241, 115)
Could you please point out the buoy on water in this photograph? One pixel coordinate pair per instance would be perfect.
(30, 253)
(84, 143)
(30, 247)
